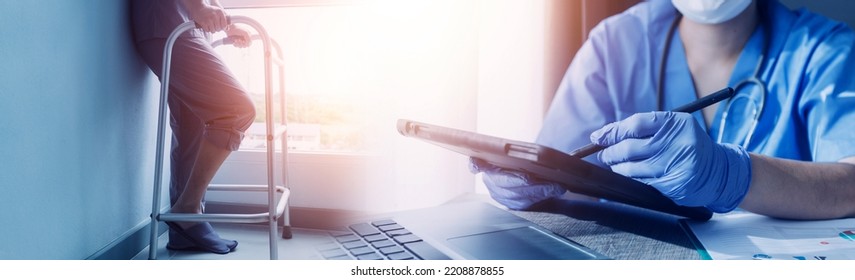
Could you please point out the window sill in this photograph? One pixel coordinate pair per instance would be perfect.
(318, 180)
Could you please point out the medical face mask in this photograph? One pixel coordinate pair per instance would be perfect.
(710, 11)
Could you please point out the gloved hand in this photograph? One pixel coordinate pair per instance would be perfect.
(515, 190)
(672, 153)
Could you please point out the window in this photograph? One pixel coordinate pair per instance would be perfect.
(324, 73)
(354, 68)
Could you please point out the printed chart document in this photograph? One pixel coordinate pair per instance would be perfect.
(742, 235)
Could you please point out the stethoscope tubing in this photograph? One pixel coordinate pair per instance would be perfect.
(754, 79)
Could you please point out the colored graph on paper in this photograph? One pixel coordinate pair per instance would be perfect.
(746, 236)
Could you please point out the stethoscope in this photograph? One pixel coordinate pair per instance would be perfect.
(741, 88)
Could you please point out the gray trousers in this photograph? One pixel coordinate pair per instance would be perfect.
(205, 101)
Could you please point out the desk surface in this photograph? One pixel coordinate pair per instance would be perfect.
(616, 230)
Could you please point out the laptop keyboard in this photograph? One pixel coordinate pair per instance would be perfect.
(378, 240)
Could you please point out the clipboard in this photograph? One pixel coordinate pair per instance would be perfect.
(572, 173)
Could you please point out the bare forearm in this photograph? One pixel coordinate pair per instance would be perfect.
(801, 190)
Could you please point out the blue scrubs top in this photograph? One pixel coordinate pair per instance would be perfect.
(809, 72)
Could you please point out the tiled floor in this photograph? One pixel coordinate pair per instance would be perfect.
(253, 244)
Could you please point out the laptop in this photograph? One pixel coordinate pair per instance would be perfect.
(572, 173)
(472, 230)
(480, 231)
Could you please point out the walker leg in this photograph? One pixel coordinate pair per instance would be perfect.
(286, 232)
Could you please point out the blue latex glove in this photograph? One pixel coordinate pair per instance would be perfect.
(672, 153)
(515, 190)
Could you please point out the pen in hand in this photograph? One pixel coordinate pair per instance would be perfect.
(708, 100)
